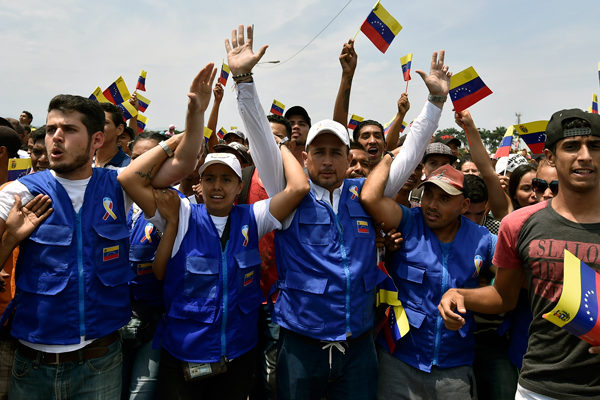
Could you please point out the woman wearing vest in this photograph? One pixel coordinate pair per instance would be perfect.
(212, 280)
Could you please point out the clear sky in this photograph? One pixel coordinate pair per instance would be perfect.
(537, 57)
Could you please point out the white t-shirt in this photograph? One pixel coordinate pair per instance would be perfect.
(76, 191)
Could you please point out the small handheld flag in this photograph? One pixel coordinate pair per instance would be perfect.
(128, 110)
(534, 135)
(406, 61)
(143, 103)
(466, 89)
(380, 27)
(207, 132)
(141, 83)
(595, 104)
(354, 121)
(221, 133)
(225, 70)
(577, 307)
(117, 92)
(98, 96)
(277, 107)
(504, 148)
(142, 120)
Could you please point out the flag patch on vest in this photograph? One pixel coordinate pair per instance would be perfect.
(362, 226)
(110, 253)
(478, 260)
(245, 234)
(248, 278)
(144, 268)
(354, 191)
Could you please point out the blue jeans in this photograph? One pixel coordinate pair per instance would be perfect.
(305, 370)
(94, 379)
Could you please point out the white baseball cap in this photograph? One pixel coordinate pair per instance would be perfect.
(328, 126)
(222, 158)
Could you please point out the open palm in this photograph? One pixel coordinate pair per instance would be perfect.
(240, 56)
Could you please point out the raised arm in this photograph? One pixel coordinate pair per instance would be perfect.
(214, 116)
(348, 60)
(133, 121)
(167, 203)
(423, 127)
(265, 154)
(498, 200)
(153, 169)
(391, 140)
(381, 208)
(297, 187)
(186, 155)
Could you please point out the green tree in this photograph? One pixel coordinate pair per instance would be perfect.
(491, 139)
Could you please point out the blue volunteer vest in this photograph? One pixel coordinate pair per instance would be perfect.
(143, 242)
(73, 270)
(423, 270)
(327, 268)
(212, 295)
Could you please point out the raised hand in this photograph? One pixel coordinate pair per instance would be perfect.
(348, 58)
(240, 57)
(201, 89)
(134, 101)
(438, 80)
(22, 221)
(403, 104)
(218, 92)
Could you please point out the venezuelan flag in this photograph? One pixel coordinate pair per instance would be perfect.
(142, 120)
(143, 103)
(141, 83)
(534, 134)
(117, 92)
(225, 70)
(277, 107)
(380, 27)
(128, 110)
(110, 253)
(577, 308)
(406, 61)
(18, 167)
(354, 121)
(466, 89)
(207, 132)
(595, 104)
(98, 96)
(504, 148)
(221, 133)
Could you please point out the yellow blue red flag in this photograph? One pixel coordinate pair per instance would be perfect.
(577, 307)
(504, 148)
(354, 121)
(128, 110)
(277, 107)
(406, 61)
(143, 103)
(225, 70)
(380, 27)
(142, 121)
(595, 104)
(141, 83)
(533, 134)
(221, 133)
(117, 92)
(466, 89)
(99, 96)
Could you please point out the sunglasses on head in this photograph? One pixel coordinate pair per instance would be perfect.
(540, 185)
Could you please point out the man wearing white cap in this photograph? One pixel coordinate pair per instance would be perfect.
(326, 255)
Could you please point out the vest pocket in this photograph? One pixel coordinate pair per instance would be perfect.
(248, 269)
(197, 310)
(411, 282)
(314, 227)
(362, 223)
(201, 277)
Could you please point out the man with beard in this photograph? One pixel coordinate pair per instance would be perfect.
(73, 271)
(359, 164)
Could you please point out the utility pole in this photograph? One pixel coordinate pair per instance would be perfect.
(518, 115)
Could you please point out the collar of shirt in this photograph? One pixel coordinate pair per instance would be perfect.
(322, 194)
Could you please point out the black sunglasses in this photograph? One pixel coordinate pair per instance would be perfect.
(540, 185)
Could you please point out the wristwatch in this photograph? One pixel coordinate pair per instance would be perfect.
(166, 148)
(283, 141)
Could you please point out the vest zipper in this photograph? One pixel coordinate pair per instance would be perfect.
(439, 323)
(81, 283)
(225, 301)
(346, 272)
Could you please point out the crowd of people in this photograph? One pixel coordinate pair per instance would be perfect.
(152, 265)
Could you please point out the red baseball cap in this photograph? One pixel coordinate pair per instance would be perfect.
(447, 178)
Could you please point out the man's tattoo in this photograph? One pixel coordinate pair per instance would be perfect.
(146, 175)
